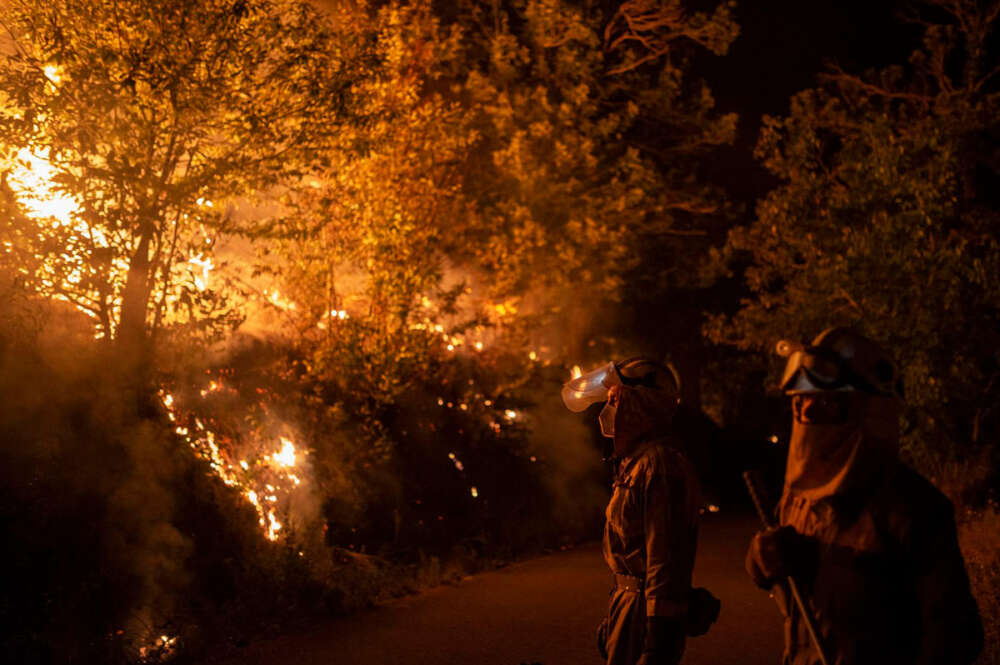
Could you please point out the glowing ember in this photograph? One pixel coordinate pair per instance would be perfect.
(475, 492)
(163, 646)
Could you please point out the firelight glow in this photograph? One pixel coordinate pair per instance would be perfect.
(31, 180)
(286, 456)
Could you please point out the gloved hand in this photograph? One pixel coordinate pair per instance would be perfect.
(664, 641)
(778, 552)
(703, 611)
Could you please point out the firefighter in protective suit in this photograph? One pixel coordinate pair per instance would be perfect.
(652, 519)
(871, 544)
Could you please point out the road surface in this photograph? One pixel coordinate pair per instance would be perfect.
(540, 611)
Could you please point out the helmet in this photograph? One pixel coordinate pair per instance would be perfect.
(593, 387)
(838, 359)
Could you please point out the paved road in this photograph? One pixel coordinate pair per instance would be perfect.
(544, 610)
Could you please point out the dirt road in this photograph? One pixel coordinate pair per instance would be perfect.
(539, 611)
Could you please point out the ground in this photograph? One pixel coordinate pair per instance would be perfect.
(544, 610)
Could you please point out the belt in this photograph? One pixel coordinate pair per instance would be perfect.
(628, 583)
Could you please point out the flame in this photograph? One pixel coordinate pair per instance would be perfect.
(508, 308)
(274, 297)
(286, 456)
(273, 526)
(206, 265)
(244, 476)
(576, 372)
(53, 73)
(31, 180)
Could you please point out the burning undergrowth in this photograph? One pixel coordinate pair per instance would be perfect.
(127, 547)
(246, 485)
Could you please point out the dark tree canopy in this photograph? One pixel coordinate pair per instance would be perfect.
(887, 220)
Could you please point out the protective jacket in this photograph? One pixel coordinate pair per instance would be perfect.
(650, 539)
(883, 575)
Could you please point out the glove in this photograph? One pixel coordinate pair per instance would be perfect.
(703, 611)
(664, 641)
(779, 552)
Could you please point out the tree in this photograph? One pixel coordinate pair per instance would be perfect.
(126, 127)
(887, 221)
(511, 167)
(525, 151)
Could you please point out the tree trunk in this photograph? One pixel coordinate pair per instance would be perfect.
(132, 338)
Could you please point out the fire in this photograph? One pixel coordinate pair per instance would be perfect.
(31, 179)
(275, 298)
(206, 266)
(31, 176)
(286, 456)
(53, 73)
(576, 372)
(161, 647)
(264, 482)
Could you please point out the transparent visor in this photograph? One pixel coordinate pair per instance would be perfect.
(810, 370)
(590, 388)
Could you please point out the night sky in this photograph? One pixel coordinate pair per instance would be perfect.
(783, 45)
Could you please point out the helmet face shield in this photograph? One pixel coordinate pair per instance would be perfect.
(813, 370)
(593, 387)
(590, 388)
(838, 359)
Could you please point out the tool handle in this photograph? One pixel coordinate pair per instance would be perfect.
(756, 491)
(753, 486)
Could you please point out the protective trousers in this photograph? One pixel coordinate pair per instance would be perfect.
(622, 634)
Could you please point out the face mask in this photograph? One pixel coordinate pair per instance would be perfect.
(607, 420)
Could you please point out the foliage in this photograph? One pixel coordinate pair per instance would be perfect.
(886, 221)
(431, 188)
(520, 154)
(127, 126)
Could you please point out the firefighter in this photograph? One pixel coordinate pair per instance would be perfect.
(652, 519)
(871, 544)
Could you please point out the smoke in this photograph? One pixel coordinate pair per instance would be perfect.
(88, 487)
(573, 473)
